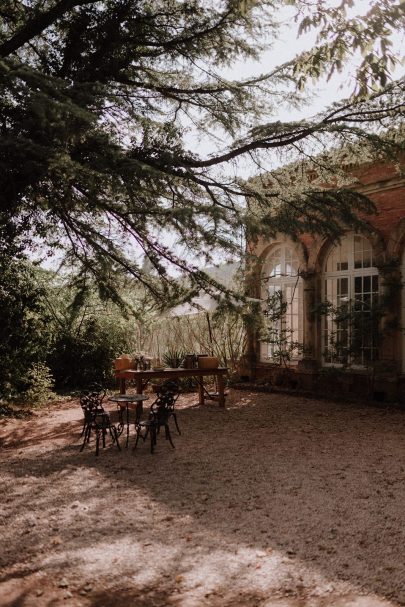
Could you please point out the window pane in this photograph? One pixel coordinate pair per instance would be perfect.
(367, 257)
(276, 270)
(273, 289)
(358, 252)
(344, 286)
(275, 263)
(344, 254)
(338, 258)
(367, 284)
(284, 312)
(350, 330)
(375, 284)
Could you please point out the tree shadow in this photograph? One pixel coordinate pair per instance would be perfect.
(322, 484)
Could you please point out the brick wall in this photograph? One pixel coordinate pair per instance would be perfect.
(384, 184)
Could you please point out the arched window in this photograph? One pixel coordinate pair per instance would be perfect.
(351, 287)
(282, 292)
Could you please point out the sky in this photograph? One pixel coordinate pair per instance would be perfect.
(319, 96)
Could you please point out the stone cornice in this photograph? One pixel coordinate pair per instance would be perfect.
(393, 183)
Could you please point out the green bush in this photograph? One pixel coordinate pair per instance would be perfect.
(79, 359)
(51, 328)
(25, 327)
(39, 385)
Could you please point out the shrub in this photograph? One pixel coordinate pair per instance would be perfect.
(24, 324)
(81, 358)
(39, 385)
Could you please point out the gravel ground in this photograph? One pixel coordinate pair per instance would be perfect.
(277, 501)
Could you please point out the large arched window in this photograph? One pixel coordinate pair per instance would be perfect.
(351, 287)
(282, 293)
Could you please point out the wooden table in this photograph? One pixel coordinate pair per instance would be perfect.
(143, 377)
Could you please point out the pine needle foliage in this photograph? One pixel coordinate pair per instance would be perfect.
(97, 99)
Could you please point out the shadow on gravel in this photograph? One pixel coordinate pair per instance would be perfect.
(320, 482)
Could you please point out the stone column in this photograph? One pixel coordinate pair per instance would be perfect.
(390, 328)
(309, 357)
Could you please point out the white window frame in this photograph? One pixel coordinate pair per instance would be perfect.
(283, 277)
(351, 273)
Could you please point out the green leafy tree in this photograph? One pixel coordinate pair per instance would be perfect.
(87, 332)
(39, 384)
(25, 332)
(97, 97)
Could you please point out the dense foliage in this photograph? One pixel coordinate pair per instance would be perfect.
(97, 98)
(24, 324)
(81, 357)
(50, 338)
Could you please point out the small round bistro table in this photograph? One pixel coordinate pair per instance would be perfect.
(127, 402)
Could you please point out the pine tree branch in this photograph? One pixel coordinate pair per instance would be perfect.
(38, 24)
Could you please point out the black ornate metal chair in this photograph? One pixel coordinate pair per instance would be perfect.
(170, 389)
(161, 410)
(96, 419)
(94, 395)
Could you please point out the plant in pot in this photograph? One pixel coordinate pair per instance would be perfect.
(173, 358)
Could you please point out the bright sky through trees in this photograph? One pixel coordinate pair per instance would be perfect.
(122, 118)
(318, 96)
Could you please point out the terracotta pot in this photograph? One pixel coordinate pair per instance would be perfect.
(122, 363)
(208, 362)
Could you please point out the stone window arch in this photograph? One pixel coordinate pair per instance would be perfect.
(281, 282)
(351, 291)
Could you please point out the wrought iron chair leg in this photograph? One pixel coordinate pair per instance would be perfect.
(104, 431)
(114, 432)
(84, 441)
(152, 439)
(110, 429)
(97, 442)
(175, 421)
(137, 438)
(86, 436)
(168, 436)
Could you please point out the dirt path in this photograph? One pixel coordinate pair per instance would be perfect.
(278, 501)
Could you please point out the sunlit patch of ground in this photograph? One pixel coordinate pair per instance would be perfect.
(278, 501)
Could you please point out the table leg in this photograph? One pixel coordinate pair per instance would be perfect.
(121, 423)
(221, 391)
(122, 386)
(127, 425)
(201, 390)
(139, 385)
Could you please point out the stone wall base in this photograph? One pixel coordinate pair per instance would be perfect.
(328, 382)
